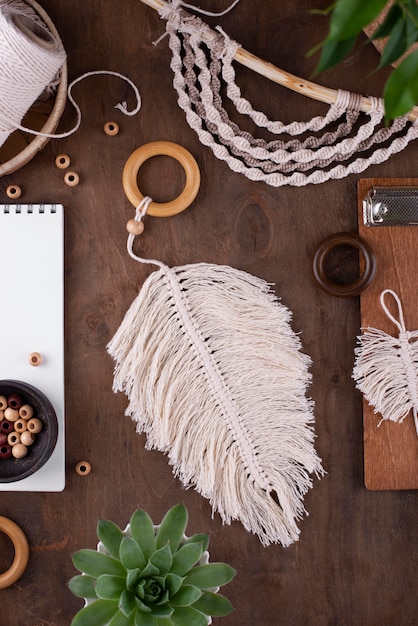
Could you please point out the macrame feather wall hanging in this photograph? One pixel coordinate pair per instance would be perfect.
(348, 139)
(216, 378)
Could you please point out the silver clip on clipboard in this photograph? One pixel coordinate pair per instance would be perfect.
(391, 206)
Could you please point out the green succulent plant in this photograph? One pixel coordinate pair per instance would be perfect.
(149, 575)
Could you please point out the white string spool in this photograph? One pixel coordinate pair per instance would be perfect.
(30, 57)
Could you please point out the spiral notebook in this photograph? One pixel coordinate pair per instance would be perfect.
(32, 317)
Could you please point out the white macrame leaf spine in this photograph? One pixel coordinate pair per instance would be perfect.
(218, 382)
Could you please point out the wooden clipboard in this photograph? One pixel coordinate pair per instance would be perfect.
(391, 449)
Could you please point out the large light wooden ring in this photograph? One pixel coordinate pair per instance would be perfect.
(20, 543)
(159, 148)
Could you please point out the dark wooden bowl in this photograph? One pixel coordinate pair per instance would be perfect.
(12, 470)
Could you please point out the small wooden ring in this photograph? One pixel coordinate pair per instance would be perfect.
(62, 161)
(358, 286)
(159, 148)
(83, 468)
(21, 546)
(71, 179)
(13, 191)
(111, 129)
(35, 359)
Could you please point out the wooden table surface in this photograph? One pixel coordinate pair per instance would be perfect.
(356, 559)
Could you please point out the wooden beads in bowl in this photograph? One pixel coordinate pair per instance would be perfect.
(18, 427)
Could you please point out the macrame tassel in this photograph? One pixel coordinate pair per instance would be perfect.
(386, 368)
(216, 379)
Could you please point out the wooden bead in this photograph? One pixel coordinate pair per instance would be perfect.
(5, 451)
(26, 412)
(62, 161)
(3, 439)
(83, 468)
(71, 179)
(21, 425)
(111, 128)
(35, 359)
(13, 191)
(13, 438)
(15, 401)
(1, 415)
(6, 426)
(3, 403)
(19, 451)
(11, 414)
(27, 438)
(35, 425)
(135, 228)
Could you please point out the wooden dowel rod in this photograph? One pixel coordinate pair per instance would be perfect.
(279, 76)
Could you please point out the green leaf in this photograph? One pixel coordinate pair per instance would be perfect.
(188, 616)
(144, 619)
(162, 610)
(349, 17)
(127, 602)
(119, 619)
(95, 563)
(385, 28)
(333, 52)
(162, 559)
(149, 571)
(395, 46)
(401, 89)
(172, 527)
(411, 32)
(161, 621)
(82, 586)
(202, 538)
(131, 554)
(132, 578)
(98, 613)
(187, 595)
(186, 557)
(213, 604)
(142, 530)
(110, 587)
(412, 10)
(110, 535)
(210, 575)
(173, 583)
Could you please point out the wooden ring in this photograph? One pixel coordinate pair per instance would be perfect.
(159, 148)
(359, 285)
(83, 468)
(62, 161)
(21, 546)
(111, 128)
(13, 191)
(71, 179)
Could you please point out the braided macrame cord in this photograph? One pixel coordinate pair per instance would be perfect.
(351, 140)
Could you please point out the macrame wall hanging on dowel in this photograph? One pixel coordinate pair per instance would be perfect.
(216, 378)
(348, 139)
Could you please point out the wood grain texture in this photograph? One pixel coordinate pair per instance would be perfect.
(355, 562)
(390, 450)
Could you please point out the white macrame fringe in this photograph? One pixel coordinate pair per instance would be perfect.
(216, 379)
(386, 368)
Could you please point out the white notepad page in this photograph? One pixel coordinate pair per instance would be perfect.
(32, 317)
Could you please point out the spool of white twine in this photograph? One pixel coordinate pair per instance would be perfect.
(30, 58)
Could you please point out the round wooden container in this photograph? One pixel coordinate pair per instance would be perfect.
(43, 116)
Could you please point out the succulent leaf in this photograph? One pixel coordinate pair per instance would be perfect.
(131, 554)
(144, 619)
(188, 616)
(150, 570)
(187, 595)
(132, 578)
(210, 575)
(99, 613)
(173, 583)
(162, 610)
(213, 604)
(83, 586)
(142, 530)
(172, 527)
(141, 606)
(127, 602)
(95, 563)
(162, 559)
(110, 587)
(119, 619)
(110, 535)
(186, 557)
(199, 538)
